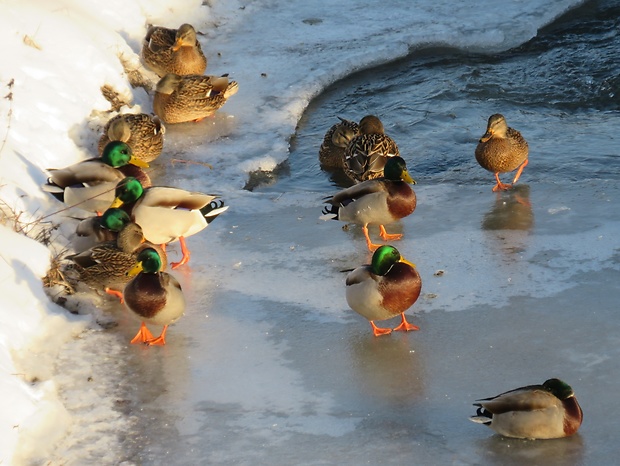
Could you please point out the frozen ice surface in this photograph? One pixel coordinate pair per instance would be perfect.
(270, 366)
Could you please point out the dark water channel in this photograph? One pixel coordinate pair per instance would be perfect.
(561, 90)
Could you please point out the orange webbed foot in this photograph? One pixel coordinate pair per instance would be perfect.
(176, 265)
(500, 186)
(160, 340)
(378, 331)
(405, 326)
(143, 335)
(388, 237)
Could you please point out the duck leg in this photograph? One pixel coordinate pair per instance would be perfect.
(386, 236)
(523, 165)
(118, 294)
(405, 326)
(160, 340)
(378, 331)
(500, 186)
(371, 246)
(143, 335)
(185, 252)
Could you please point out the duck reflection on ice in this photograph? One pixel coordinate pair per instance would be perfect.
(509, 222)
(512, 210)
(388, 370)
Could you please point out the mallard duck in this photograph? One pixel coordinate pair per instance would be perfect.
(366, 154)
(191, 98)
(153, 296)
(377, 202)
(502, 149)
(331, 152)
(385, 288)
(173, 51)
(105, 265)
(90, 184)
(142, 132)
(542, 411)
(99, 228)
(167, 214)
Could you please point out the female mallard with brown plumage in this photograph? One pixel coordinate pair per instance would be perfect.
(191, 98)
(542, 411)
(142, 132)
(105, 265)
(385, 288)
(365, 156)
(173, 51)
(375, 202)
(331, 152)
(502, 149)
(90, 184)
(153, 296)
(167, 214)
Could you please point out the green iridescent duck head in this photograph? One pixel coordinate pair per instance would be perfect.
(118, 154)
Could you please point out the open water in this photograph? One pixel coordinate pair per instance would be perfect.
(561, 90)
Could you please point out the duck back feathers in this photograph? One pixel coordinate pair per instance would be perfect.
(176, 51)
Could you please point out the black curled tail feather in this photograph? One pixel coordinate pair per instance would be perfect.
(55, 190)
(212, 210)
(331, 210)
(481, 412)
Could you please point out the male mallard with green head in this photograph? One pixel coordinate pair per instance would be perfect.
(385, 288)
(153, 296)
(542, 411)
(366, 154)
(375, 202)
(502, 149)
(142, 132)
(99, 228)
(90, 184)
(167, 214)
(173, 51)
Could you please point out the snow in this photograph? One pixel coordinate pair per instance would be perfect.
(56, 57)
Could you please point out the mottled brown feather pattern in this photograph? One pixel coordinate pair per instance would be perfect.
(180, 99)
(331, 152)
(106, 264)
(142, 132)
(158, 53)
(502, 149)
(366, 154)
